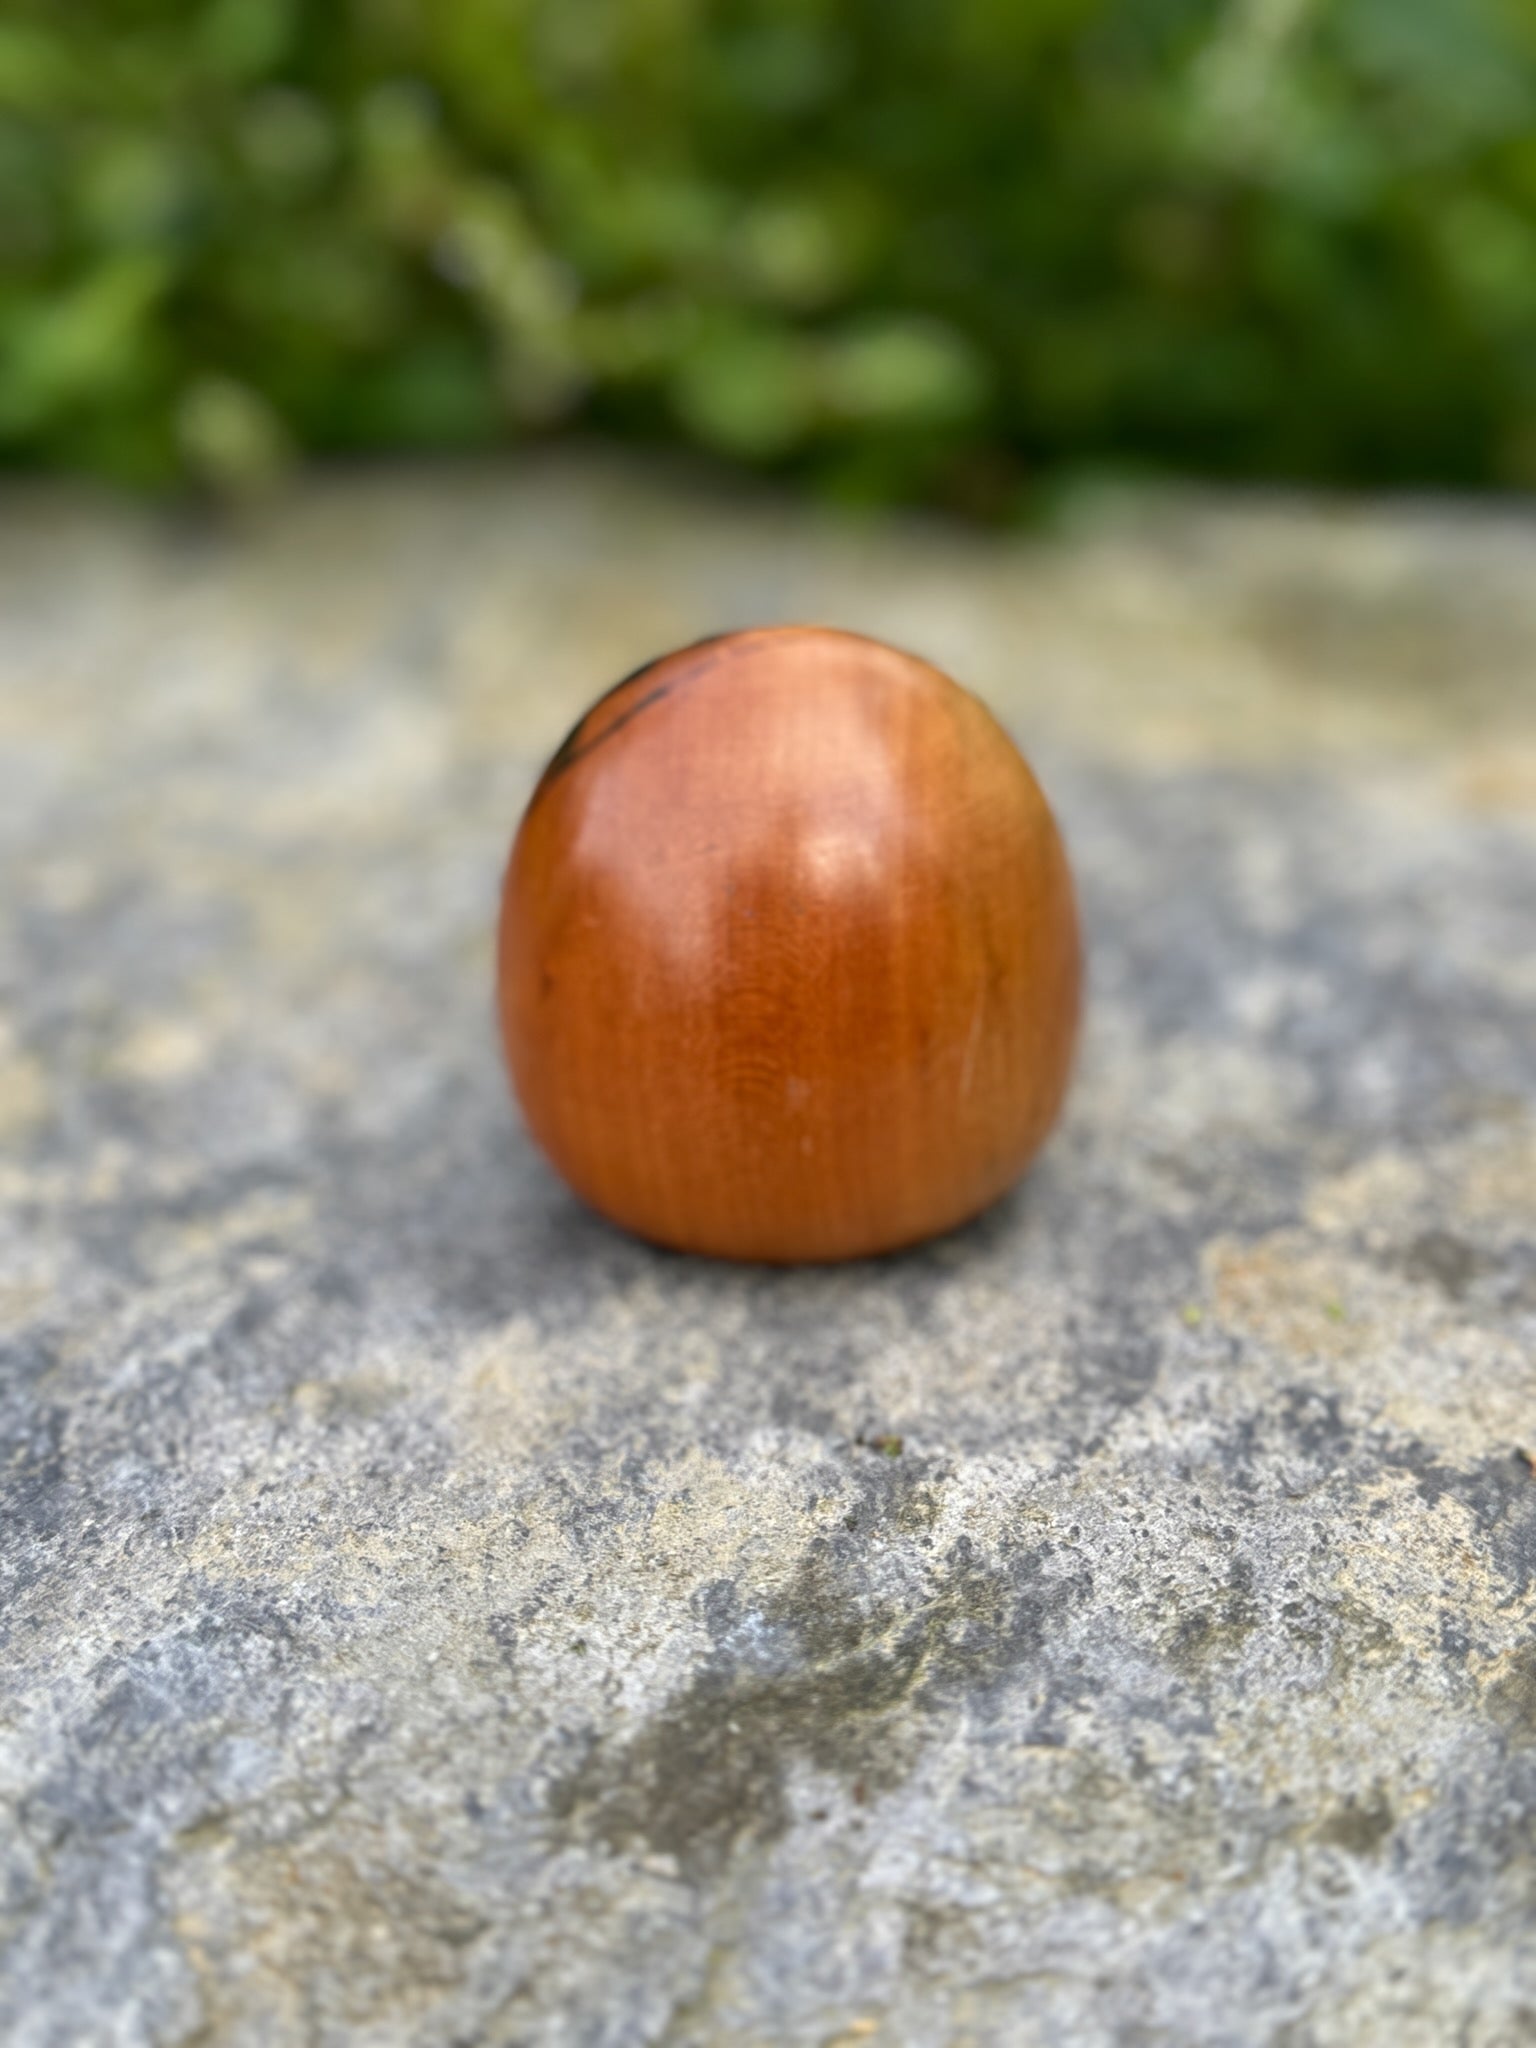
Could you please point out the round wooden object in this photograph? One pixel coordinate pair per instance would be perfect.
(789, 961)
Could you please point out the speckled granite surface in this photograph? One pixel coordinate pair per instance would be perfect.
(429, 1618)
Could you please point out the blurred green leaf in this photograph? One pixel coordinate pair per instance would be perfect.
(746, 392)
(134, 189)
(792, 252)
(288, 141)
(246, 39)
(901, 370)
(80, 346)
(230, 436)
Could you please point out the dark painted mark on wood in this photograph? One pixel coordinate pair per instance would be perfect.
(570, 754)
(573, 748)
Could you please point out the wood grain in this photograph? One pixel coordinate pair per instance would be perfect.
(789, 965)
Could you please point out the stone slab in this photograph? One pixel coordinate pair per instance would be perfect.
(431, 1618)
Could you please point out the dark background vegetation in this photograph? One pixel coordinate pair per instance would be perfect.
(901, 249)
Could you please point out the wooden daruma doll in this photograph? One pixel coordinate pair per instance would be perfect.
(789, 965)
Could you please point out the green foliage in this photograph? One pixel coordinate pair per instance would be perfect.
(902, 248)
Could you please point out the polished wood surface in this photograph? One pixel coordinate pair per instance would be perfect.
(789, 962)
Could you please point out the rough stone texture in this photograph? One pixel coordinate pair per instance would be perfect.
(430, 1618)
